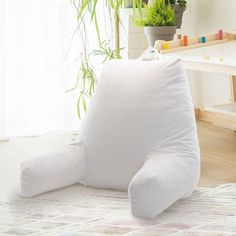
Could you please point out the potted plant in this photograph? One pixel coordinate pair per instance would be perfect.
(159, 22)
(179, 7)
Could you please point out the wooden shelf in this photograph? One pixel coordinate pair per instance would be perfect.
(220, 115)
(177, 45)
(193, 46)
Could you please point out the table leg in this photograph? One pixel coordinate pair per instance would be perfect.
(233, 88)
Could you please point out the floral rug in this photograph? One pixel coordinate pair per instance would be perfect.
(81, 211)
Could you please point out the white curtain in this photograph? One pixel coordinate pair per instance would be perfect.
(34, 74)
(2, 69)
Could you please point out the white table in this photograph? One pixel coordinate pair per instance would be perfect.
(218, 58)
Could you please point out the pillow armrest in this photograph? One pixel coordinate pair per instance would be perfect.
(52, 171)
(162, 180)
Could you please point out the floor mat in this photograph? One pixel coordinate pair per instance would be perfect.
(81, 211)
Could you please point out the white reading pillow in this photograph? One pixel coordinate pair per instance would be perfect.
(139, 107)
(139, 134)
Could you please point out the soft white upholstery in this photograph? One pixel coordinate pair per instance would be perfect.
(165, 177)
(53, 171)
(138, 134)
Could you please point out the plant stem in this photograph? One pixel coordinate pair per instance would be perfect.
(117, 36)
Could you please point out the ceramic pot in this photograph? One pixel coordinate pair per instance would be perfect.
(154, 33)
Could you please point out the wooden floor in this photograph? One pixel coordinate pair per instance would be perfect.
(218, 154)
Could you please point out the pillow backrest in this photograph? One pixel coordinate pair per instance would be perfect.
(138, 106)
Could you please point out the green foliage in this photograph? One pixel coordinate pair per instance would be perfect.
(105, 51)
(85, 83)
(157, 14)
(87, 10)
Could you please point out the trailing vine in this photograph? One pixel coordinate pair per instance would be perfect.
(86, 11)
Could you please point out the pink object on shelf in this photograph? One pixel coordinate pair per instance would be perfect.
(220, 35)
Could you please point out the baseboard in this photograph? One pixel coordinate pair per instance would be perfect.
(217, 118)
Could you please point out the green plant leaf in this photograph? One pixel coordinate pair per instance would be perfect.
(87, 10)
(84, 103)
(78, 107)
(97, 29)
(157, 14)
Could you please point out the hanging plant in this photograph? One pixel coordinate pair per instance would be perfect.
(86, 11)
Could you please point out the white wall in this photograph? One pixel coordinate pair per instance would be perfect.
(215, 14)
(205, 17)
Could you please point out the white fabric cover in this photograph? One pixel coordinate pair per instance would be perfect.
(52, 171)
(139, 134)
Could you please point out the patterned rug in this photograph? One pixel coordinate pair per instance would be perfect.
(81, 211)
